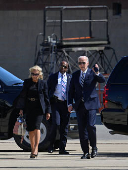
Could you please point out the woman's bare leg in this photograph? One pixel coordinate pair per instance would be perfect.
(32, 141)
(37, 140)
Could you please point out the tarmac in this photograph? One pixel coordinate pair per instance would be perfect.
(112, 154)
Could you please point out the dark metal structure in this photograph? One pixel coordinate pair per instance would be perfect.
(71, 31)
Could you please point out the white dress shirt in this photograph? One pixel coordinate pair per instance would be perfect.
(58, 90)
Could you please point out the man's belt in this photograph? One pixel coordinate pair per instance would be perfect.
(33, 99)
(57, 100)
(61, 101)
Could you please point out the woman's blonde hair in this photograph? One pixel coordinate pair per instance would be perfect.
(36, 67)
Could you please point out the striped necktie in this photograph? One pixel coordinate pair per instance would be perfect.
(82, 79)
(63, 81)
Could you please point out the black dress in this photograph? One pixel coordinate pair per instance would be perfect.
(34, 113)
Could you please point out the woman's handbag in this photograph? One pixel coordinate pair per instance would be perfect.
(20, 126)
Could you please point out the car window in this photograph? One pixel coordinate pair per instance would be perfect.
(122, 75)
(8, 78)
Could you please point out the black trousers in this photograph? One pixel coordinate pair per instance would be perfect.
(60, 117)
(87, 130)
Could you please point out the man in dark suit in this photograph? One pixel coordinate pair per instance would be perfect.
(83, 91)
(58, 85)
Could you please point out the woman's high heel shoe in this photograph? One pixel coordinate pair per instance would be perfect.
(33, 155)
(36, 154)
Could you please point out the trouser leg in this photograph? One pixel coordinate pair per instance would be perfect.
(55, 124)
(64, 121)
(82, 126)
(91, 116)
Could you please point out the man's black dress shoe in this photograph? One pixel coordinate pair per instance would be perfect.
(85, 156)
(94, 152)
(50, 151)
(63, 152)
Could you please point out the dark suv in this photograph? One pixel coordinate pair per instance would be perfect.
(115, 98)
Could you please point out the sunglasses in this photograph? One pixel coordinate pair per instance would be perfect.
(64, 66)
(33, 74)
(81, 63)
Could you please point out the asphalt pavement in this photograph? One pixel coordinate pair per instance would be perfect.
(112, 154)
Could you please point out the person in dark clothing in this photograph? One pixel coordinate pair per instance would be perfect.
(82, 90)
(34, 102)
(58, 84)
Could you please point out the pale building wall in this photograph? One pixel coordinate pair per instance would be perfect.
(19, 29)
(18, 33)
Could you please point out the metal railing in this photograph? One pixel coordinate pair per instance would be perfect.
(61, 19)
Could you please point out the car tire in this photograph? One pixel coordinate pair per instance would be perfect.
(44, 143)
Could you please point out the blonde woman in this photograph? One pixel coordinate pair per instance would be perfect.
(34, 102)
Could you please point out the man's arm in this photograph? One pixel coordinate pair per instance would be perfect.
(71, 94)
(100, 78)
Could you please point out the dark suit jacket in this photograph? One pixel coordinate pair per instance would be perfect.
(91, 100)
(43, 95)
(52, 83)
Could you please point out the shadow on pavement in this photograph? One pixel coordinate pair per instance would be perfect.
(12, 151)
(106, 154)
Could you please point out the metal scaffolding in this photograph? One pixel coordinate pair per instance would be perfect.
(71, 31)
